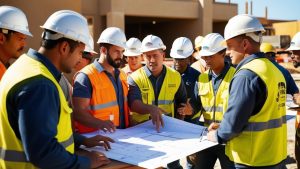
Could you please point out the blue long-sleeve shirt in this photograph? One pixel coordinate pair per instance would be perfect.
(134, 92)
(83, 88)
(247, 95)
(33, 108)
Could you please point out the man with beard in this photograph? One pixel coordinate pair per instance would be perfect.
(13, 32)
(100, 89)
(295, 49)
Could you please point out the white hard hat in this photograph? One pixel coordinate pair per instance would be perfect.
(133, 47)
(242, 24)
(68, 24)
(114, 36)
(14, 19)
(90, 48)
(295, 43)
(198, 41)
(152, 42)
(212, 44)
(182, 48)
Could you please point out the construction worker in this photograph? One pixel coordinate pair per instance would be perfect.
(291, 87)
(200, 63)
(134, 55)
(181, 51)
(212, 94)
(13, 33)
(100, 89)
(295, 49)
(254, 125)
(36, 129)
(155, 89)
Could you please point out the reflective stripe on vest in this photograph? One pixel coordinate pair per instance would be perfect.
(103, 106)
(11, 146)
(166, 96)
(214, 103)
(103, 102)
(264, 140)
(19, 156)
(261, 126)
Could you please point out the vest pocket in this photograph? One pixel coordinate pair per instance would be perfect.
(145, 95)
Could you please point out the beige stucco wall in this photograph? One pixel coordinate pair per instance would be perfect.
(175, 17)
(287, 28)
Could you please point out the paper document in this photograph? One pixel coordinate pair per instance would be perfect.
(143, 146)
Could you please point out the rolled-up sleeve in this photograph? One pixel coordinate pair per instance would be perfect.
(134, 92)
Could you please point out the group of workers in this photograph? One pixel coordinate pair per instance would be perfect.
(42, 115)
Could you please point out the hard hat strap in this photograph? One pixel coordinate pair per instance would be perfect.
(49, 36)
(255, 37)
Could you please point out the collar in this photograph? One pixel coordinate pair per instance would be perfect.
(100, 68)
(249, 59)
(149, 73)
(45, 61)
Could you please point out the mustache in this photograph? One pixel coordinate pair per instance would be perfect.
(20, 49)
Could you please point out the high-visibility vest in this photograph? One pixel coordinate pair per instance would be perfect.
(263, 141)
(214, 105)
(166, 95)
(12, 153)
(104, 102)
(2, 69)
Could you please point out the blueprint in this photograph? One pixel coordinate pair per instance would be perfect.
(143, 146)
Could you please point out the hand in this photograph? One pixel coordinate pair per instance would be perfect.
(106, 125)
(211, 135)
(213, 126)
(156, 116)
(98, 140)
(97, 159)
(296, 98)
(185, 109)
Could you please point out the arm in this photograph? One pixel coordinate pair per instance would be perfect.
(136, 105)
(246, 97)
(82, 93)
(181, 106)
(37, 124)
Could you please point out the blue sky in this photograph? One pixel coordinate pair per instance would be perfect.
(277, 9)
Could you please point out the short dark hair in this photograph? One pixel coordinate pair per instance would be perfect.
(50, 44)
(106, 45)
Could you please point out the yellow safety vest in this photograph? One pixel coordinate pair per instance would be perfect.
(11, 148)
(263, 141)
(166, 96)
(214, 105)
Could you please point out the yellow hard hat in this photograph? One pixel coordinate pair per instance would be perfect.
(266, 48)
(198, 41)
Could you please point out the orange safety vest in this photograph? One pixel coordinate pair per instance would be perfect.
(104, 103)
(2, 69)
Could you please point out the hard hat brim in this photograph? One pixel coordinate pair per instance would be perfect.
(129, 53)
(175, 55)
(151, 49)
